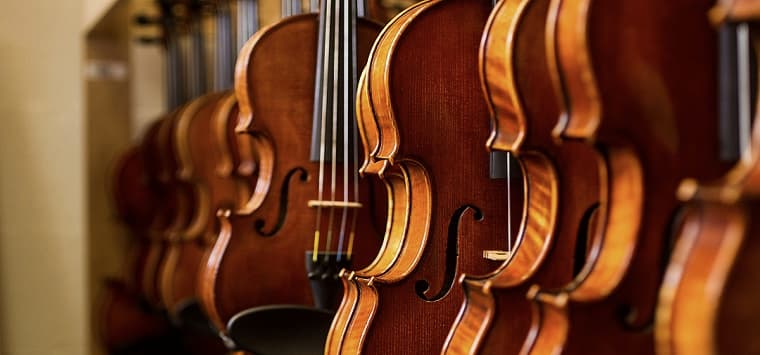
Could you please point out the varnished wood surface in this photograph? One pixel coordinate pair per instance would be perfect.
(561, 184)
(650, 108)
(168, 209)
(275, 91)
(704, 305)
(125, 319)
(424, 124)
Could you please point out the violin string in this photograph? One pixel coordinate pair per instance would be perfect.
(346, 120)
(241, 20)
(509, 202)
(323, 129)
(355, 129)
(334, 125)
(248, 20)
(744, 85)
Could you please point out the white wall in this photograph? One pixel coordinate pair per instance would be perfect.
(42, 222)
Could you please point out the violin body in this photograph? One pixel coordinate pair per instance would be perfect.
(706, 303)
(630, 82)
(267, 241)
(561, 184)
(423, 122)
(126, 318)
(184, 242)
(136, 205)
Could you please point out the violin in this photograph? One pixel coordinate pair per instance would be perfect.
(135, 205)
(423, 122)
(560, 179)
(203, 157)
(125, 319)
(294, 82)
(186, 246)
(172, 208)
(630, 81)
(706, 303)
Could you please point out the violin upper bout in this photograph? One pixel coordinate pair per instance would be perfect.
(571, 69)
(375, 100)
(496, 67)
(223, 114)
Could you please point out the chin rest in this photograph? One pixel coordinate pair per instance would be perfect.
(281, 330)
(189, 315)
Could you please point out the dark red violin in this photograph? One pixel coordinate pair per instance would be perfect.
(423, 123)
(561, 184)
(707, 303)
(643, 90)
(294, 84)
(126, 319)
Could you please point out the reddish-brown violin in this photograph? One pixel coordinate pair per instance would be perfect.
(561, 187)
(632, 82)
(707, 302)
(125, 319)
(311, 213)
(423, 123)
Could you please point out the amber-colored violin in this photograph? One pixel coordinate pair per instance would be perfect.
(707, 303)
(423, 124)
(629, 80)
(294, 82)
(561, 184)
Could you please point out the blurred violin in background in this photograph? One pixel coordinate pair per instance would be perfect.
(631, 83)
(706, 303)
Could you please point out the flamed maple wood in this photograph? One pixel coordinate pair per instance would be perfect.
(423, 124)
(267, 239)
(706, 303)
(561, 184)
(630, 82)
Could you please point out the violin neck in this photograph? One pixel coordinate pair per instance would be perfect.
(737, 68)
(335, 81)
(172, 58)
(223, 51)
(247, 21)
(194, 55)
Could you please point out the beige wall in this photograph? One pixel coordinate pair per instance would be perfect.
(42, 223)
(93, 10)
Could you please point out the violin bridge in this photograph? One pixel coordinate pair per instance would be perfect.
(333, 204)
(496, 255)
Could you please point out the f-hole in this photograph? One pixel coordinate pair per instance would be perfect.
(585, 228)
(628, 314)
(259, 224)
(421, 287)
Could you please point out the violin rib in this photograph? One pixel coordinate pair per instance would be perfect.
(266, 239)
(705, 304)
(651, 125)
(418, 114)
